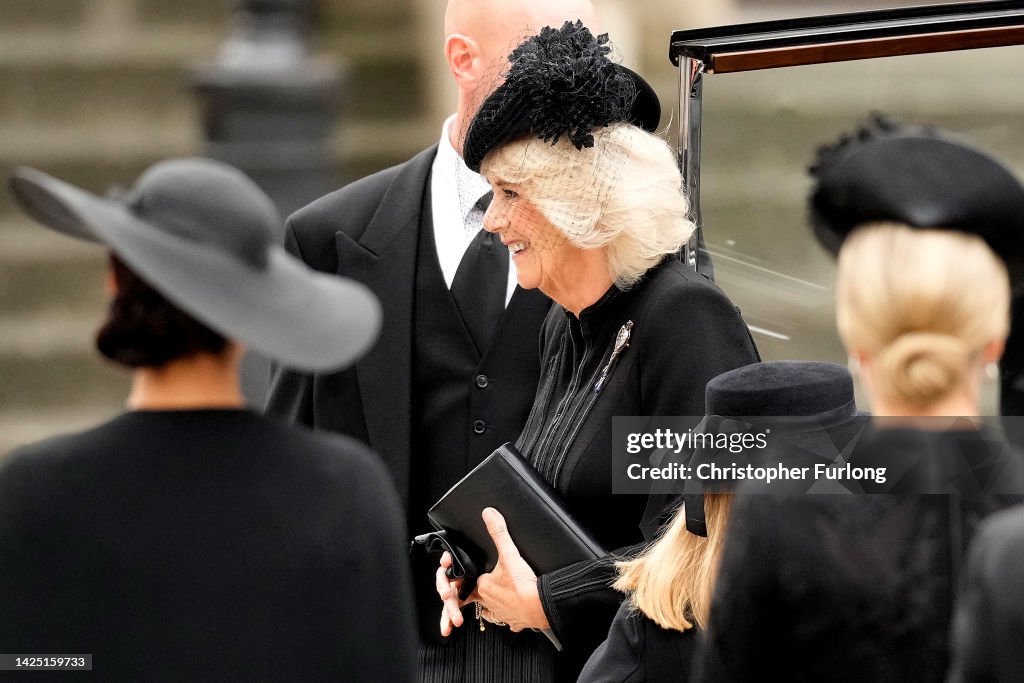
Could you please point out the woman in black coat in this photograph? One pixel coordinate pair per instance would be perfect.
(590, 206)
(804, 411)
(857, 588)
(190, 538)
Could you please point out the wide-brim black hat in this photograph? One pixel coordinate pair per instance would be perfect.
(560, 82)
(202, 234)
(920, 178)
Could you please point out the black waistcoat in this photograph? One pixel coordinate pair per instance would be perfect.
(464, 406)
(444, 363)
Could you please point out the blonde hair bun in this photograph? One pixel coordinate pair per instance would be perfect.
(918, 368)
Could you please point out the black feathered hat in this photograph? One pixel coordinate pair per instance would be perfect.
(917, 176)
(560, 83)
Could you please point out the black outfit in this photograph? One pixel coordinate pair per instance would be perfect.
(848, 588)
(988, 628)
(639, 651)
(431, 400)
(427, 398)
(205, 545)
(425, 383)
(684, 332)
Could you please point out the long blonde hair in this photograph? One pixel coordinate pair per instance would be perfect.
(672, 580)
(923, 303)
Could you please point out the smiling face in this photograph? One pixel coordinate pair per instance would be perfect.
(544, 256)
(539, 250)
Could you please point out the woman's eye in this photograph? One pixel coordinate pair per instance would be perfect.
(511, 194)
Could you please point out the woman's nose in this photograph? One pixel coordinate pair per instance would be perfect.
(494, 219)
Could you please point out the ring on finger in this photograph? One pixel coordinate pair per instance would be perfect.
(489, 616)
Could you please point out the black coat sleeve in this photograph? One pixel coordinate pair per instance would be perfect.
(637, 650)
(327, 401)
(697, 334)
(620, 658)
(988, 625)
(291, 391)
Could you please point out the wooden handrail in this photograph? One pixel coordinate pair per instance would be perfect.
(851, 36)
(824, 53)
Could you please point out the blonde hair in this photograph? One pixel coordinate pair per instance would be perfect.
(923, 304)
(672, 580)
(625, 193)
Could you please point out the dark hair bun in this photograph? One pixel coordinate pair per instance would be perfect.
(144, 329)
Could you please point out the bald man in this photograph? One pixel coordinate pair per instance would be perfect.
(480, 34)
(453, 376)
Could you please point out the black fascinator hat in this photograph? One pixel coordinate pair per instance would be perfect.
(560, 83)
(888, 171)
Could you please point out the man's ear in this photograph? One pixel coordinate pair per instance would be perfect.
(110, 282)
(993, 351)
(463, 56)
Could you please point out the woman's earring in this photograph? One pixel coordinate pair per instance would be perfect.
(992, 371)
(853, 364)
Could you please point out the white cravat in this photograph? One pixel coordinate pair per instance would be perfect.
(454, 192)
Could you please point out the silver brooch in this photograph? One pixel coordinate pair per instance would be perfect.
(621, 344)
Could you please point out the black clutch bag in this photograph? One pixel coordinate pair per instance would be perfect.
(547, 536)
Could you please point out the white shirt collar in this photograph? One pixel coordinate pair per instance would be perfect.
(465, 185)
(454, 191)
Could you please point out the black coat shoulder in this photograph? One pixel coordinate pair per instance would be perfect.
(989, 624)
(637, 650)
(311, 230)
(691, 332)
(689, 303)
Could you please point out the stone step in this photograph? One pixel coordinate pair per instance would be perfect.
(24, 242)
(151, 84)
(97, 157)
(49, 332)
(22, 14)
(73, 13)
(362, 14)
(77, 284)
(60, 381)
(188, 12)
(92, 158)
(185, 44)
(71, 94)
(49, 363)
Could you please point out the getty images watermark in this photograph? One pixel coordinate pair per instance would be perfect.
(835, 454)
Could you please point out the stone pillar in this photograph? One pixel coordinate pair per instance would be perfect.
(268, 108)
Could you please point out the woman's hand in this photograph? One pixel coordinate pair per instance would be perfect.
(448, 589)
(508, 594)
